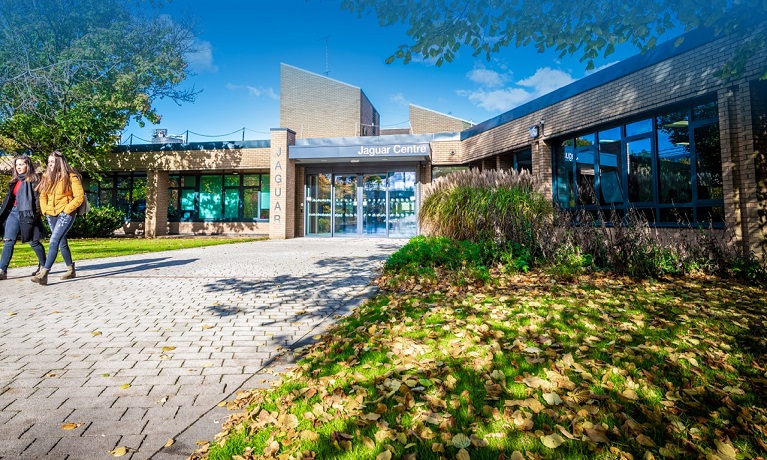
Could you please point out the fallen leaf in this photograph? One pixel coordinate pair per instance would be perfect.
(125, 386)
(517, 455)
(385, 455)
(463, 455)
(71, 426)
(119, 451)
(552, 399)
(272, 449)
(207, 326)
(168, 348)
(596, 435)
(170, 442)
(96, 333)
(725, 449)
(368, 442)
(630, 394)
(461, 441)
(11, 313)
(645, 441)
(552, 441)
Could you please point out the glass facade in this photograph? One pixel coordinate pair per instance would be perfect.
(123, 191)
(218, 197)
(668, 166)
(370, 204)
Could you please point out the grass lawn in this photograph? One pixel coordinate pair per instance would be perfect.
(526, 368)
(94, 248)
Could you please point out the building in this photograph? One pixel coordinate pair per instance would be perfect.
(659, 132)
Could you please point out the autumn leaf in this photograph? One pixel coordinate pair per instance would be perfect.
(168, 348)
(630, 394)
(71, 426)
(463, 455)
(119, 451)
(368, 442)
(272, 449)
(170, 442)
(552, 441)
(385, 455)
(725, 449)
(552, 399)
(125, 386)
(460, 441)
(207, 326)
(96, 333)
(596, 435)
(645, 441)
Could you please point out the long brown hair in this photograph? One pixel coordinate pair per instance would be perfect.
(61, 172)
(32, 175)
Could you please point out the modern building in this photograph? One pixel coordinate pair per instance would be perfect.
(659, 132)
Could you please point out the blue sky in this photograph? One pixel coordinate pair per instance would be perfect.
(242, 43)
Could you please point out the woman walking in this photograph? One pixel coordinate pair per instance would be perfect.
(20, 213)
(61, 193)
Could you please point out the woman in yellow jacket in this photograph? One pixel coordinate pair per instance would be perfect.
(61, 193)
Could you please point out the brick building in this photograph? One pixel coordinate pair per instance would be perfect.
(659, 132)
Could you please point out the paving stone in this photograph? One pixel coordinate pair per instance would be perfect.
(143, 303)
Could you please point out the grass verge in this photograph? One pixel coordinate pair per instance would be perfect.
(96, 248)
(602, 367)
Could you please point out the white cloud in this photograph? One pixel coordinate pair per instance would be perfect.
(499, 100)
(400, 99)
(546, 80)
(543, 81)
(253, 91)
(201, 60)
(487, 78)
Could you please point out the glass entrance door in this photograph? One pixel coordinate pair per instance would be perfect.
(374, 204)
(361, 204)
(345, 205)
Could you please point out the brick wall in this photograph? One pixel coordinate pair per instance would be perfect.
(312, 105)
(191, 160)
(446, 153)
(425, 121)
(759, 120)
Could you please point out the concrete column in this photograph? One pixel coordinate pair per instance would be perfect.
(282, 191)
(156, 218)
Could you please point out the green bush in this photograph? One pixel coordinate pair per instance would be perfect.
(98, 223)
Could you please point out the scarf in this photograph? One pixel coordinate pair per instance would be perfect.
(25, 199)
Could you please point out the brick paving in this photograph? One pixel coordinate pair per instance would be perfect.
(138, 350)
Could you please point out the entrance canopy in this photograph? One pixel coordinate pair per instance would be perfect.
(399, 148)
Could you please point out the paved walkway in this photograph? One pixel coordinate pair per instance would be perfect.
(138, 350)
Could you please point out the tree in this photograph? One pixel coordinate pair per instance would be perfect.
(74, 72)
(439, 28)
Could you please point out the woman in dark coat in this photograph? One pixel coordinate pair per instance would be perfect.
(20, 213)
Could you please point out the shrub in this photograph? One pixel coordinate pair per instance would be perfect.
(488, 206)
(100, 222)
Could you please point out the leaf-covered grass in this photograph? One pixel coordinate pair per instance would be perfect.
(95, 248)
(526, 367)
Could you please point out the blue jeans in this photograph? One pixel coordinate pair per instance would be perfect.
(12, 230)
(60, 225)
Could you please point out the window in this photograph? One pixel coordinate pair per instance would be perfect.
(668, 167)
(218, 197)
(123, 191)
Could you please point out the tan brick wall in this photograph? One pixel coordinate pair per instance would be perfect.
(156, 218)
(424, 121)
(759, 120)
(219, 228)
(368, 118)
(191, 160)
(446, 153)
(282, 216)
(313, 106)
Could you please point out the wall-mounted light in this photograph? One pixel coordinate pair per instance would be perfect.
(535, 131)
(452, 152)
